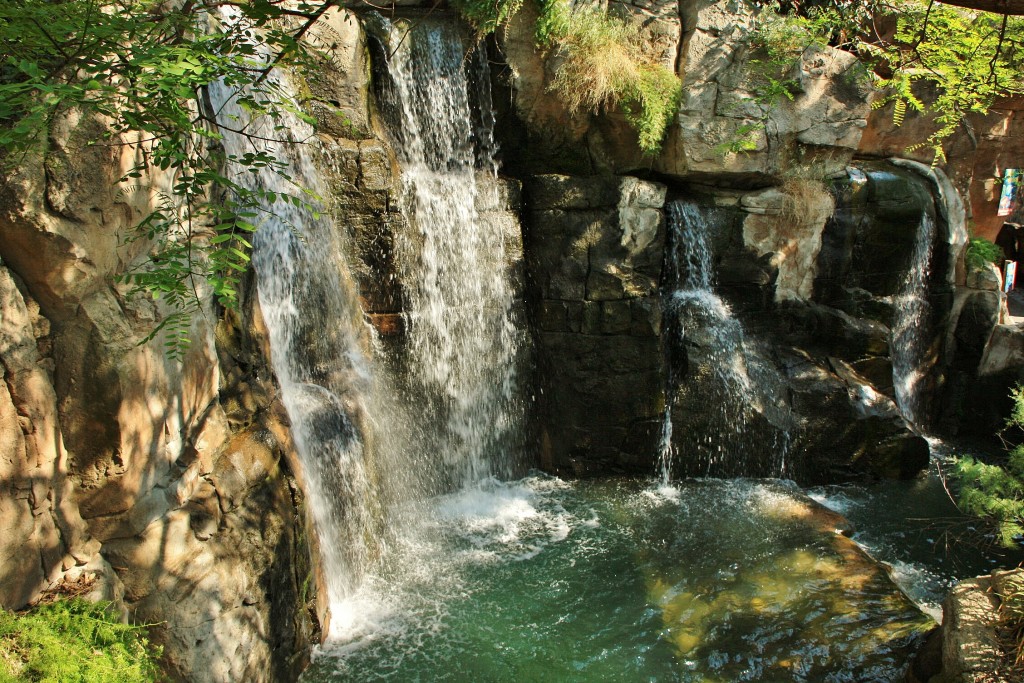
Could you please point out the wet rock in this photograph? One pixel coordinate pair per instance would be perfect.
(594, 248)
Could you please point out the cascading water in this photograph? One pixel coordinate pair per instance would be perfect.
(716, 358)
(463, 339)
(910, 325)
(314, 323)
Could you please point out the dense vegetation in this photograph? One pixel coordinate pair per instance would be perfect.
(995, 492)
(72, 641)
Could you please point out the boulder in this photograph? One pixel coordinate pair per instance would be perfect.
(971, 645)
(727, 130)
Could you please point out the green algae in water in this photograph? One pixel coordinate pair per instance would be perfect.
(544, 580)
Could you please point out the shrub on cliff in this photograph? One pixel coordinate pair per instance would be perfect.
(981, 251)
(71, 640)
(995, 492)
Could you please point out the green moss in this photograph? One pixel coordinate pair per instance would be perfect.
(71, 641)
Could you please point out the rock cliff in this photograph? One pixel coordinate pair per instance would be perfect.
(172, 482)
(162, 480)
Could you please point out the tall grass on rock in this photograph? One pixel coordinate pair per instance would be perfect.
(601, 61)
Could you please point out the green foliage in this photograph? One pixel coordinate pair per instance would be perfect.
(972, 58)
(70, 641)
(996, 492)
(981, 251)
(967, 58)
(143, 67)
(487, 16)
(602, 61)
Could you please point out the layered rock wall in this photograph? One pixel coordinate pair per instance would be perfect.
(121, 465)
(594, 250)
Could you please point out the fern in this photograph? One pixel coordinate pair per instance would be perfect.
(899, 111)
(995, 492)
(74, 640)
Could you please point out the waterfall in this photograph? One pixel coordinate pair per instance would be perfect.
(463, 338)
(314, 324)
(910, 329)
(722, 432)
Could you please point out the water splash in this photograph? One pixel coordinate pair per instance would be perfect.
(910, 326)
(722, 439)
(463, 340)
(314, 325)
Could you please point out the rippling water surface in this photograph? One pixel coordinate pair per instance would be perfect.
(546, 580)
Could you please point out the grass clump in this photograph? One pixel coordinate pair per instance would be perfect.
(606, 61)
(602, 61)
(981, 251)
(74, 641)
(1011, 619)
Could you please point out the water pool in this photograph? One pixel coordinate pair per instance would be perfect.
(547, 580)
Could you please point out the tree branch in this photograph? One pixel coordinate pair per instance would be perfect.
(1012, 7)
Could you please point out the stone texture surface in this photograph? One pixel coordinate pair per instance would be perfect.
(594, 249)
(787, 224)
(976, 154)
(707, 44)
(41, 529)
(819, 127)
(338, 90)
(969, 647)
(122, 465)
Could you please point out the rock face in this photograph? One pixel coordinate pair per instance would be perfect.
(40, 524)
(729, 126)
(976, 154)
(725, 102)
(122, 464)
(968, 647)
(812, 297)
(594, 250)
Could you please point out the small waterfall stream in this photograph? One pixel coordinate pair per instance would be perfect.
(910, 325)
(315, 324)
(716, 358)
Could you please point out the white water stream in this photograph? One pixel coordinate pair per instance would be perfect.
(716, 358)
(463, 340)
(314, 324)
(910, 332)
